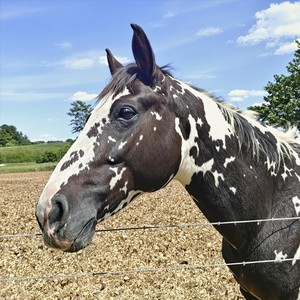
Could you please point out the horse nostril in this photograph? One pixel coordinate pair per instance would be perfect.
(59, 213)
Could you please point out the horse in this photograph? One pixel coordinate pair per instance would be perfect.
(148, 128)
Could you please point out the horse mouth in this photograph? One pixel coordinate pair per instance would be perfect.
(85, 236)
(62, 241)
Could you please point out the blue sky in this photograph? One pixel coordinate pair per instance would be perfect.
(52, 52)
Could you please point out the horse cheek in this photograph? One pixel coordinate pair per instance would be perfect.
(152, 174)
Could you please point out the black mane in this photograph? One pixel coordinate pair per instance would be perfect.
(125, 76)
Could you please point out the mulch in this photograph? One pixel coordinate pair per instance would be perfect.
(30, 259)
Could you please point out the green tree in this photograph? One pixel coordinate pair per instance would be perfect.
(282, 104)
(10, 136)
(79, 112)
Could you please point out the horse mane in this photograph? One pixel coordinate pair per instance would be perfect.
(124, 77)
(255, 136)
(260, 138)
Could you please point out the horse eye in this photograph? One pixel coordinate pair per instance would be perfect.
(126, 113)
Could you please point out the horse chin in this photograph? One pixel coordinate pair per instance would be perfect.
(84, 238)
(63, 241)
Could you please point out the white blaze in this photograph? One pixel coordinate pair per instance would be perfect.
(85, 144)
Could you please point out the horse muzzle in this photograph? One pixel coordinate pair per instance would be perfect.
(63, 230)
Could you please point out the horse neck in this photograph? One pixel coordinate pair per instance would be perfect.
(215, 169)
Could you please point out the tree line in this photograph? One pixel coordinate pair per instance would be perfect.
(10, 136)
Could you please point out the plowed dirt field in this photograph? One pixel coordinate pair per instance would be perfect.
(30, 270)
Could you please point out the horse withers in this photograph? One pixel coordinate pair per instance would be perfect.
(148, 128)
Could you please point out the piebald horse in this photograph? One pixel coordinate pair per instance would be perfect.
(148, 128)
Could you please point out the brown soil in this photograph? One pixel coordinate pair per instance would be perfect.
(112, 251)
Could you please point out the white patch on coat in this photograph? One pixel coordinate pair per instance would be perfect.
(296, 155)
(271, 166)
(84, 143)
(130, 196)
(228, 160)
(118, 176)
(188, 166)
(219, 127)
(233, 189)
(141, 137)
(158, 117)
(279, 256)
(296, 256)
(207, 166)
(111, 139)
(157, 88)
(182, 85)
(217, 176)
(296, 202)
(122, 144)
(124, 188)
(287, 172)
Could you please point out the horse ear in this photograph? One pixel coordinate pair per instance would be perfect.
(113, 64)
(143, 53)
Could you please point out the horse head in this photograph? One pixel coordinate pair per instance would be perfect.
(128, 146)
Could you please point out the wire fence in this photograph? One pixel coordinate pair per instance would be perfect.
(166, 226)
(147, 270)
(164, 269)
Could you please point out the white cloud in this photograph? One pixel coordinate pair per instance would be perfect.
(275, 26)
(82, 96)
(169, 14)
(121, 59)
(286, 48)
(209, 31)
(239, 95)
(28, 96)
(64, 45)
(87, 60)
(18, 11)
(78, 63)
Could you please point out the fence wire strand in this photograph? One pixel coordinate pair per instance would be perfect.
(148, 270)
(166, 226)
(145, 270)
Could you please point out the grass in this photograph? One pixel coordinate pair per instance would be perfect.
(26, 167)
(29, 153)
(19, 159)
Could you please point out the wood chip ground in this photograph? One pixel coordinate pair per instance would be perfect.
(28, 257)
